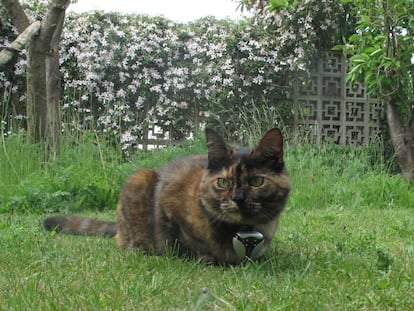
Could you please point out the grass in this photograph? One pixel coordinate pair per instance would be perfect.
(344, 242)
(326, 260)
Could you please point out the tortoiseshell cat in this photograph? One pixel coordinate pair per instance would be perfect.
(196, 204)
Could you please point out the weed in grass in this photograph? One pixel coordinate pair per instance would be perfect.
(82, 176)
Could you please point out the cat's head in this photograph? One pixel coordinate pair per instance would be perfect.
(245, 186)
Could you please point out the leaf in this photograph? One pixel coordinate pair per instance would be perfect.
(353, 75)
(358, 59)
(364, 22)
(355, 38)
(376, 53)
(356, 69)
(338, 47)
(277, 5)
(380, 38)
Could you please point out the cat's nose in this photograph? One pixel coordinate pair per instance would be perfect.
(238, 196)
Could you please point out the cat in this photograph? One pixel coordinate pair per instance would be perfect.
(196, 204)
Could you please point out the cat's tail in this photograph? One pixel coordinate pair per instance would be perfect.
(80, 225)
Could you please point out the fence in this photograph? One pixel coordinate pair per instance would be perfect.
(327, 108)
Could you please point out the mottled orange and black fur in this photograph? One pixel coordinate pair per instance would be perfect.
(196, 204)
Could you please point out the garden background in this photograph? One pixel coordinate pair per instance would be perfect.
(124, 74)
(345, 238)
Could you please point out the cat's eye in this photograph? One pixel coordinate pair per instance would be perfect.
(256, 181)
(224, 183)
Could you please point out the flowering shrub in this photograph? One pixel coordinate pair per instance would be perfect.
(125, 74)
(303, 29)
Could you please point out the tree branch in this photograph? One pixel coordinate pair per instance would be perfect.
(52, 18)
(7, 53)
(17, 14)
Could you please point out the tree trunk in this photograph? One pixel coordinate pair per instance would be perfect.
(402, 138)
(36, 92)
(44, 79)
(43, 75)
(53, 80)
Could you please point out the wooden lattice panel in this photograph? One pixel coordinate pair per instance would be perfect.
(332, 110)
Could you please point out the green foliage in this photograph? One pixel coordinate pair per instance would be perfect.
(81, 177)
(245, 124)
(345, 177)
(89, 173)
(382, 50)
(276, 5)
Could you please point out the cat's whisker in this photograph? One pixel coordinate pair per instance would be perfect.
(219, 218)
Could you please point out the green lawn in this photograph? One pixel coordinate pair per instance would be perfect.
(329, 259)
(345, 240)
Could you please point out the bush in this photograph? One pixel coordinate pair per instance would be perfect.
(123, 74)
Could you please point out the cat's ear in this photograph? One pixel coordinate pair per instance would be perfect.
(270, 146)
(219, 153)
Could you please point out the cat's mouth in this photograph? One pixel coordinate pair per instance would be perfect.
(240, 212)
(250, 208)
(245, 208)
